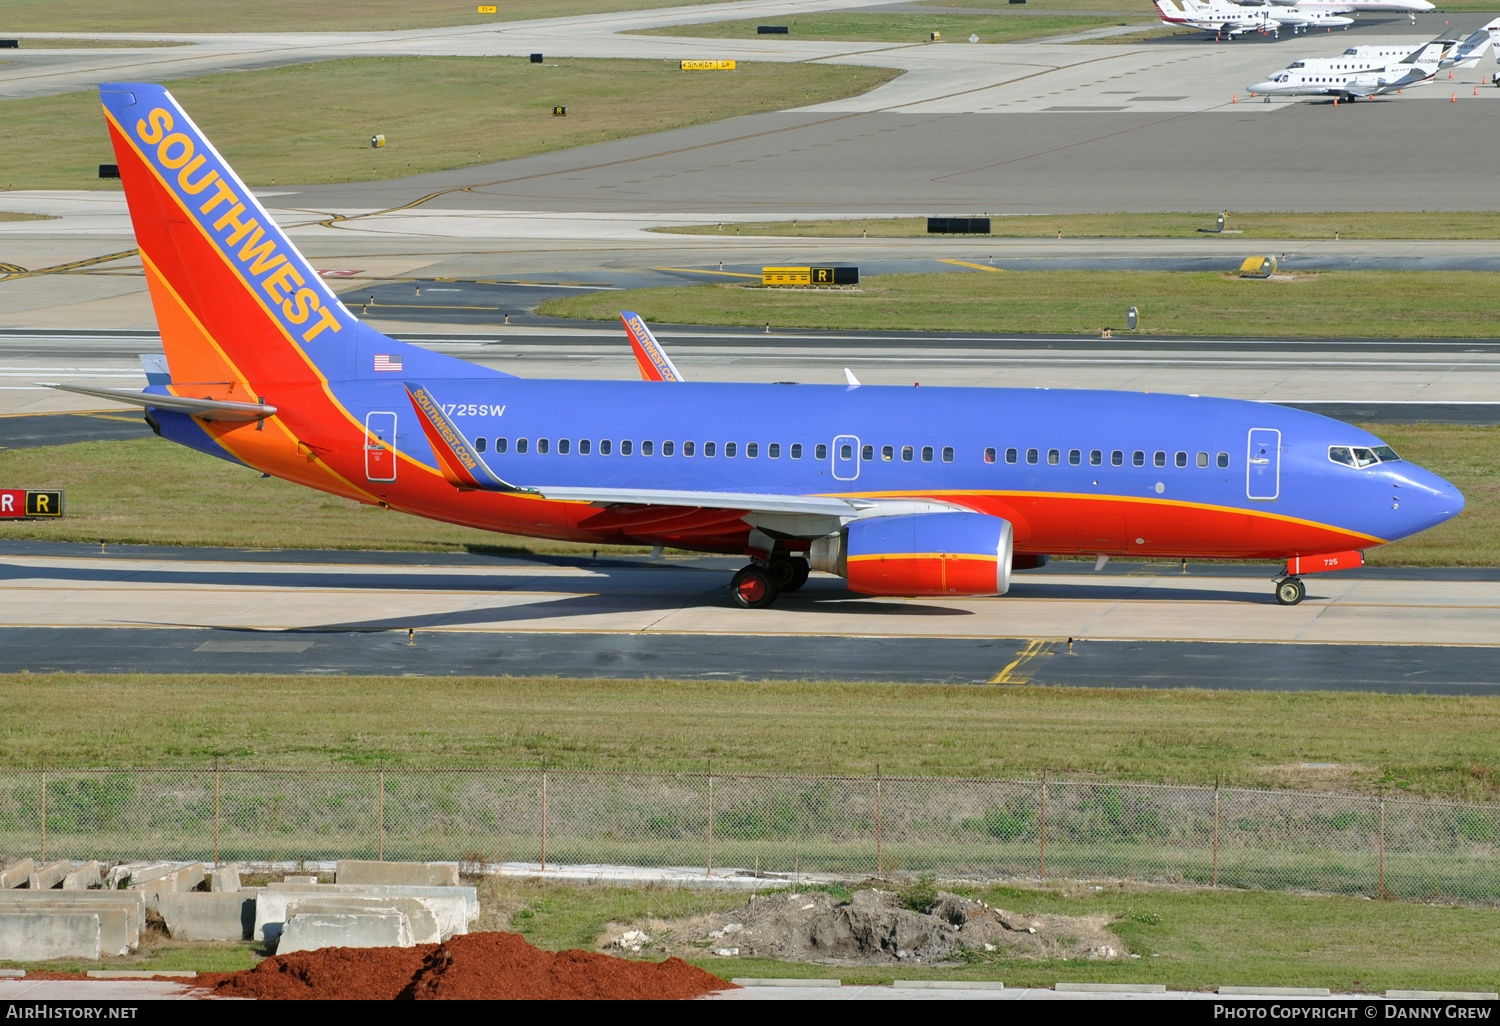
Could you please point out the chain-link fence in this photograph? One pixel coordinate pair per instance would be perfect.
(986, 829)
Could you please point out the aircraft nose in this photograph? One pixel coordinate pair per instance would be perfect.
(1428, 499)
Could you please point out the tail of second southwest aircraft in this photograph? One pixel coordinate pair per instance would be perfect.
(235, 302)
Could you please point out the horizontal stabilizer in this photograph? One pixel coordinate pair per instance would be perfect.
(203, 409)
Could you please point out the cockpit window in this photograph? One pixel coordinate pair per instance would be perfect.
(1297, 64)
(1357, 456)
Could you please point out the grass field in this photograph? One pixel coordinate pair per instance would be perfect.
(288, 15)
(148, 491)
(1134, 9)
(1429, 745)
(896, 28)
(1331, 303)
(1187, 939)
(313, 122)
(1484, 224)
(11, 215)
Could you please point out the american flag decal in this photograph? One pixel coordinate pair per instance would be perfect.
(387, 363)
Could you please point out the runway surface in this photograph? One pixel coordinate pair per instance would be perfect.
(1391, 380)
(67, 607)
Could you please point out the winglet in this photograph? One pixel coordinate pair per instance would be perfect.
(649, 355)
(456, 458)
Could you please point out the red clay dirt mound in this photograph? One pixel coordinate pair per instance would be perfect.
(484, 966)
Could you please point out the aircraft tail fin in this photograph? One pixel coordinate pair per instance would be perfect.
(1493, 30)
(650, 357)
(235, 302)
(1167, 11)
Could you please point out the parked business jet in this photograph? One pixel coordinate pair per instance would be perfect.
(1219, 18)
(903, 491)
(1353, 77)
(1300, 18)
(1411, 8)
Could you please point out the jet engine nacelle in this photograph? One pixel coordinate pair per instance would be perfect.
(955, 553)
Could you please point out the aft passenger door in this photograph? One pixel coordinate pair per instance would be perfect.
(1263, 464)
(845, 458)
(380, 446)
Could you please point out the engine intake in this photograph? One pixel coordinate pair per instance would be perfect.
(954, 553)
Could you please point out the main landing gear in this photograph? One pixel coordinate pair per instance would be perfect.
(1290, 591)
(756, 586)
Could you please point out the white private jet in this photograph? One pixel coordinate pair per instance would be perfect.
(1301, 17)
(1411, 8)
(1218, 17)
(1351, 78)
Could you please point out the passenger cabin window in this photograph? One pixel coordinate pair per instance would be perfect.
(1138, 458)
(1223, 461)
(1054, 457)
(1182, 459)
(1160, 458)
(543, 445)
(520, 445)
(710, 449)
(947, 454)
(584, 446)
(1117, 458)
(730, 449)
(1096, 457)
(773, 451)
(867, 453)
(1075, 457)
(1031, 455)
(926, 454)
(480, 444)
(563, 446)
(667, 448)
(688, 448)
(796, 451)
(647, 448)
(1203, 459)
(625, 446)
(752, 450)
(605, 447)
(906, 453)
(1010, 455)
(846, 452)
(501, 444)
(820, 451)
(888, 453)
(989, 455)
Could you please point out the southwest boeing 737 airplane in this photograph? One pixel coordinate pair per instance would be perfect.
(903, 491)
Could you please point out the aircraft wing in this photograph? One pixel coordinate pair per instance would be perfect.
(753, 502)
(204, 409)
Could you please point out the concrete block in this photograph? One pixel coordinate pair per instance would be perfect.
(402, 874)
(84, 878)
(134, 902)
(49, 876)
(1275, 991)
(454, 907)
(179, 881)
(1110, 988)
(144, 873)
(424, 926)
(42, 936)
(140, 974)
(198, 915)
(1444, 995)
(947, 985)
(17, 875)
(311, 931)
(301, 879)
(771, 981)
(225, 879)
(12, 974)
(116, 936)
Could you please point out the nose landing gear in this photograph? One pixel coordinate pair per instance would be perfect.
(1290, 591)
